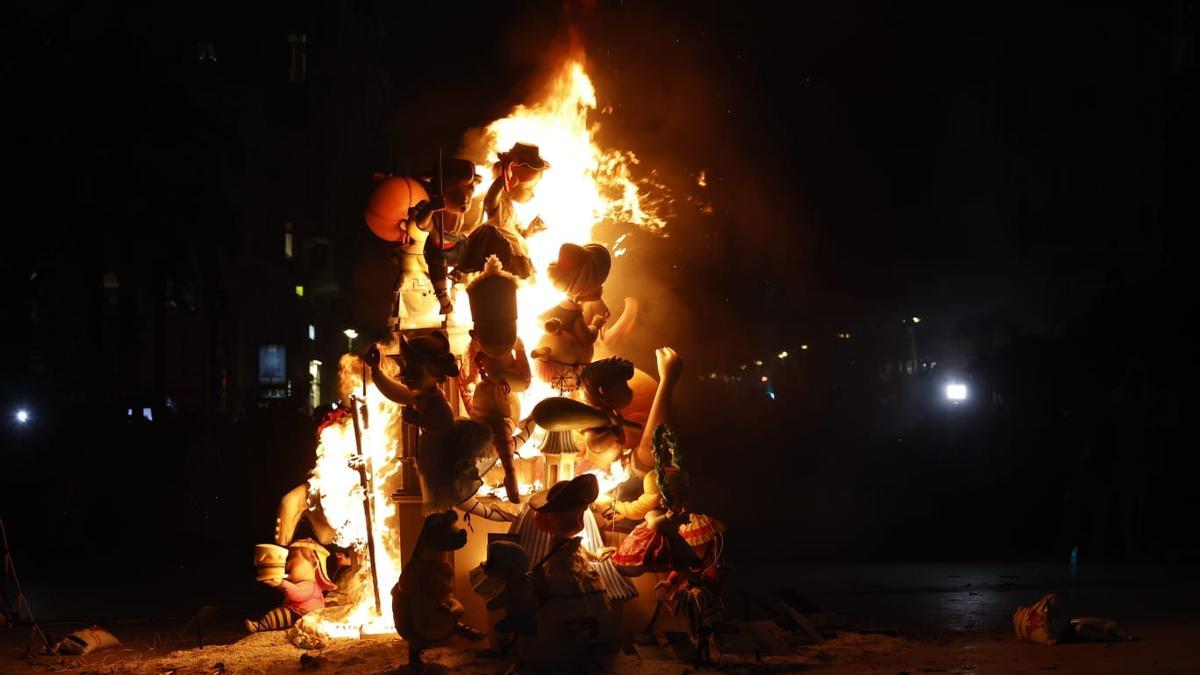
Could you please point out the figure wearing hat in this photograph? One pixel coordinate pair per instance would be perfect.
(497, 363)
(504, 582)
(518, 172)
(449, 447)
(568, 343)
(303, 586)
(451, 223)
(568, 584)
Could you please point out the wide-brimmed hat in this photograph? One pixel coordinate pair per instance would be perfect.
(524, 154)
(567, 495)
(454, 169)
(431, 348)
(580, 270)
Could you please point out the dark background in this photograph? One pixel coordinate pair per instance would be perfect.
(1018, 175)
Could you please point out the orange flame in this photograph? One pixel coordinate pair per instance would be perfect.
(586, 185)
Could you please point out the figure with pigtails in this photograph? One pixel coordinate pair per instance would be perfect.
(517, 174)
(673, 539)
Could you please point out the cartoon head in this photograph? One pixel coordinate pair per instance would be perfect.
(559, 355)
(521, 169)
(426, 360)
(603, 445)
(440, 532)
(306, 562)
(606, 383)
(458, 180)
(506, 559)
(559, 510)
(580, 271)
(448, 462)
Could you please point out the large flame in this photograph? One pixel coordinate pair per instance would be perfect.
(585, 186)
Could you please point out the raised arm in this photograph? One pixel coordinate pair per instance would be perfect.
(389, 387)
(670, 367)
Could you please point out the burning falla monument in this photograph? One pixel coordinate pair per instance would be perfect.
(503, 400)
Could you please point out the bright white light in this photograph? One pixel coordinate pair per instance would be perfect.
(956, 392)
(783, 355)
(312, 332)
(916, 319)
(22, 416)
(350, 333)
(148, 414)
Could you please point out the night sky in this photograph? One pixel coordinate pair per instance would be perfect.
(1020, 175)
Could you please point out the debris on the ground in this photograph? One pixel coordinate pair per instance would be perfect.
(86, 641)
(1042, 622)
(1096, 629)
(785, 616)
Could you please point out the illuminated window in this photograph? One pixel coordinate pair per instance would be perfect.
(314, 383)
(300, 291)
(287, 241)
(272, 364)
(312, 332)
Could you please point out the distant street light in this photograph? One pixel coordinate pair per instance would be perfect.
(916, 319)
(956, 392)
(22, 416)
(350, 334)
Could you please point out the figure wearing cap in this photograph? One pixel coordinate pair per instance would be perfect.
(504, 582)
(450, 223)
(497, 363)
(568, 584)
(449, 447)
(439, 203)
(303, 586)
(518, 172)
